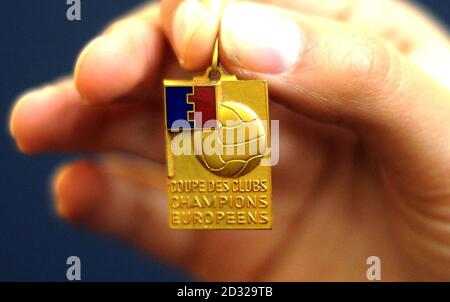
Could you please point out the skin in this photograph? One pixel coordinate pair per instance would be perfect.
(364, 110)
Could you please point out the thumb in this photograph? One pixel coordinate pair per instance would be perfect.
(339, 74)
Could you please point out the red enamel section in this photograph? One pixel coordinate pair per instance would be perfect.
(204, 100)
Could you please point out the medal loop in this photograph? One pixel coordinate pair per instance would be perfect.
(215, 72)
(215, 58)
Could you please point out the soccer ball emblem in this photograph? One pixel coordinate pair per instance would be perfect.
(238, 143)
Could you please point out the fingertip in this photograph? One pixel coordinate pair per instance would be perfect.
(42, 119)
(116, 63)
(79, 188)
(100, 73)
(260, 38)
(192, 27)
(187, 21)
(15, 114)
(23, 118)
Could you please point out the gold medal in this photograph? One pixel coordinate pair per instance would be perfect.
(217, 149)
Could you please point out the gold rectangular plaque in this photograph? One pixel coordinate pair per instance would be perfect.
(217, 148)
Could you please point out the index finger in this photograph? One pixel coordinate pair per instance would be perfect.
(123, 61)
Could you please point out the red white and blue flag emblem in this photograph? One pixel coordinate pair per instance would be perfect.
(190, 107)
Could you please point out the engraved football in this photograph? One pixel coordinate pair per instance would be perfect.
(237, 144)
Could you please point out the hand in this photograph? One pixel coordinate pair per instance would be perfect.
(364, 107)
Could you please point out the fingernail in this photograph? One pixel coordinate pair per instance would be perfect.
(188, 17)
(258, 38)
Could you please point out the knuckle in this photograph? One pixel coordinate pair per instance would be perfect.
(369, 64)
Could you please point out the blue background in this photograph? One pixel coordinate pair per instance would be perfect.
(38, 44)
